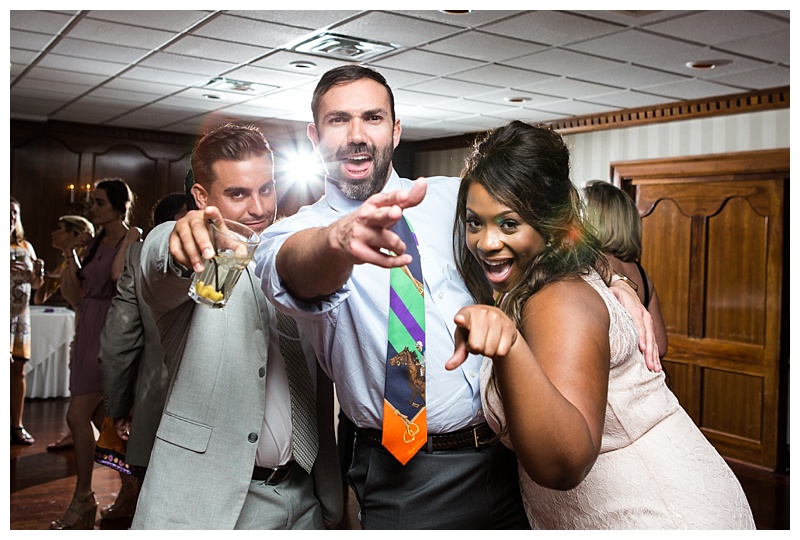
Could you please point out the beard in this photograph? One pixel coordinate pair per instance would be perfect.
(362, 188)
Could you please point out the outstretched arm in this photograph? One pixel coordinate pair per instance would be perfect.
(316, 262)
(552, 377)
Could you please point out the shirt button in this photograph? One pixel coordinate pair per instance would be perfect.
(472, 373)
(441, 295)
(253, 437)
(262, 372)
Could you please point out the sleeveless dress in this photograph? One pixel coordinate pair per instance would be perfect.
(99, 289)
(656, 469)
(20, 303)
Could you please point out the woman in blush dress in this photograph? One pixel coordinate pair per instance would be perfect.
(89, 283)
(601, 441)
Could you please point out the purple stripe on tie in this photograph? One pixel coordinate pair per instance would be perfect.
(401, 311)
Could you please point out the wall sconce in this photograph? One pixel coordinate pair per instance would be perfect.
(79, 198)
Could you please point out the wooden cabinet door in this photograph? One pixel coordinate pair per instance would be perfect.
(713, 243)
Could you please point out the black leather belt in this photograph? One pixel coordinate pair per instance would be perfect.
(471, 437)
(273, 475)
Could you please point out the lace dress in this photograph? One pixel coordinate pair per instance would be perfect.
(656, 470)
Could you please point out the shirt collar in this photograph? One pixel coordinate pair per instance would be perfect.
(344, 205)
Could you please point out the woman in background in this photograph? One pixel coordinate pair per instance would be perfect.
(616, 222)
(63, 238)
(26, 273)
(601, 441)
(88, 283)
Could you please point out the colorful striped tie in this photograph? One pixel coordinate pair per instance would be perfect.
(405, 426)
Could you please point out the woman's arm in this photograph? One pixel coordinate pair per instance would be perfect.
(553, 381)
(134, 234)
(71, 286)
(659, 328)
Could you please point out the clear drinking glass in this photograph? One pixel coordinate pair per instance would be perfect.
(234, 245)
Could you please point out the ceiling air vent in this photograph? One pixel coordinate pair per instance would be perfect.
(344, 47)
(223, 84)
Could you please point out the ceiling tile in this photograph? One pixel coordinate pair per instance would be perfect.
(304, 18)
(143, 86)
(57, 75)
(569, 88)
(119, 34)
(676, 62)
(108, 52)
(452, 88)
(44, 22)
(214, 49)
(719, 26)
(507, 76)
(249, 32)
(575, 108)
(474, 19)
(627, 76)
(551, 27)
(273, 77)
(186, 64)
(29, 41)
(467, 106)
(163, 76)
(631, 46)
(427, 63)
(390, 28)
(80, 65)
(772, 76)
(772, 47)
(629, 99)
(563, 62)
(692, 89)
(282, 60)
(482, 46)
(172, 20)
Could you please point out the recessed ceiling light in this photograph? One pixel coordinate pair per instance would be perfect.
(706, 64)
(517, 99)
(303, 64)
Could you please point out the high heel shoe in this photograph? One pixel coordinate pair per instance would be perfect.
(80, 514)
(123, 507)
(20, 435)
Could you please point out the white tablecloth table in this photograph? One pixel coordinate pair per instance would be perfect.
(47, 372)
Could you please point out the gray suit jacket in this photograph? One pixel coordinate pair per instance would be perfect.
(205, 449)
(132, 362)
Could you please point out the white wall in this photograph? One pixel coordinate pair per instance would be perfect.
(592, 152)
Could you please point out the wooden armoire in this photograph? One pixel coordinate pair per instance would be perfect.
(715, 243)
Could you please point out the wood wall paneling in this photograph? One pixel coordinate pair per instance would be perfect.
(47, 157)
(713, 243)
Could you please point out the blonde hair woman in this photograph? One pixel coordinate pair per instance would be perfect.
(26, 274)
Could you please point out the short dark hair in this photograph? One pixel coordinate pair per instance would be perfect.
(345, 74)
(166, 208)
(231, 142)
(188, 182)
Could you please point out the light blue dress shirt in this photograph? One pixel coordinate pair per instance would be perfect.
(349, 329)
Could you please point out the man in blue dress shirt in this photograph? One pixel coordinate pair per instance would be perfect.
(311, 266)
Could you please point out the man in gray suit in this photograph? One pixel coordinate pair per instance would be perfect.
(132, 366)
(228, 450)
